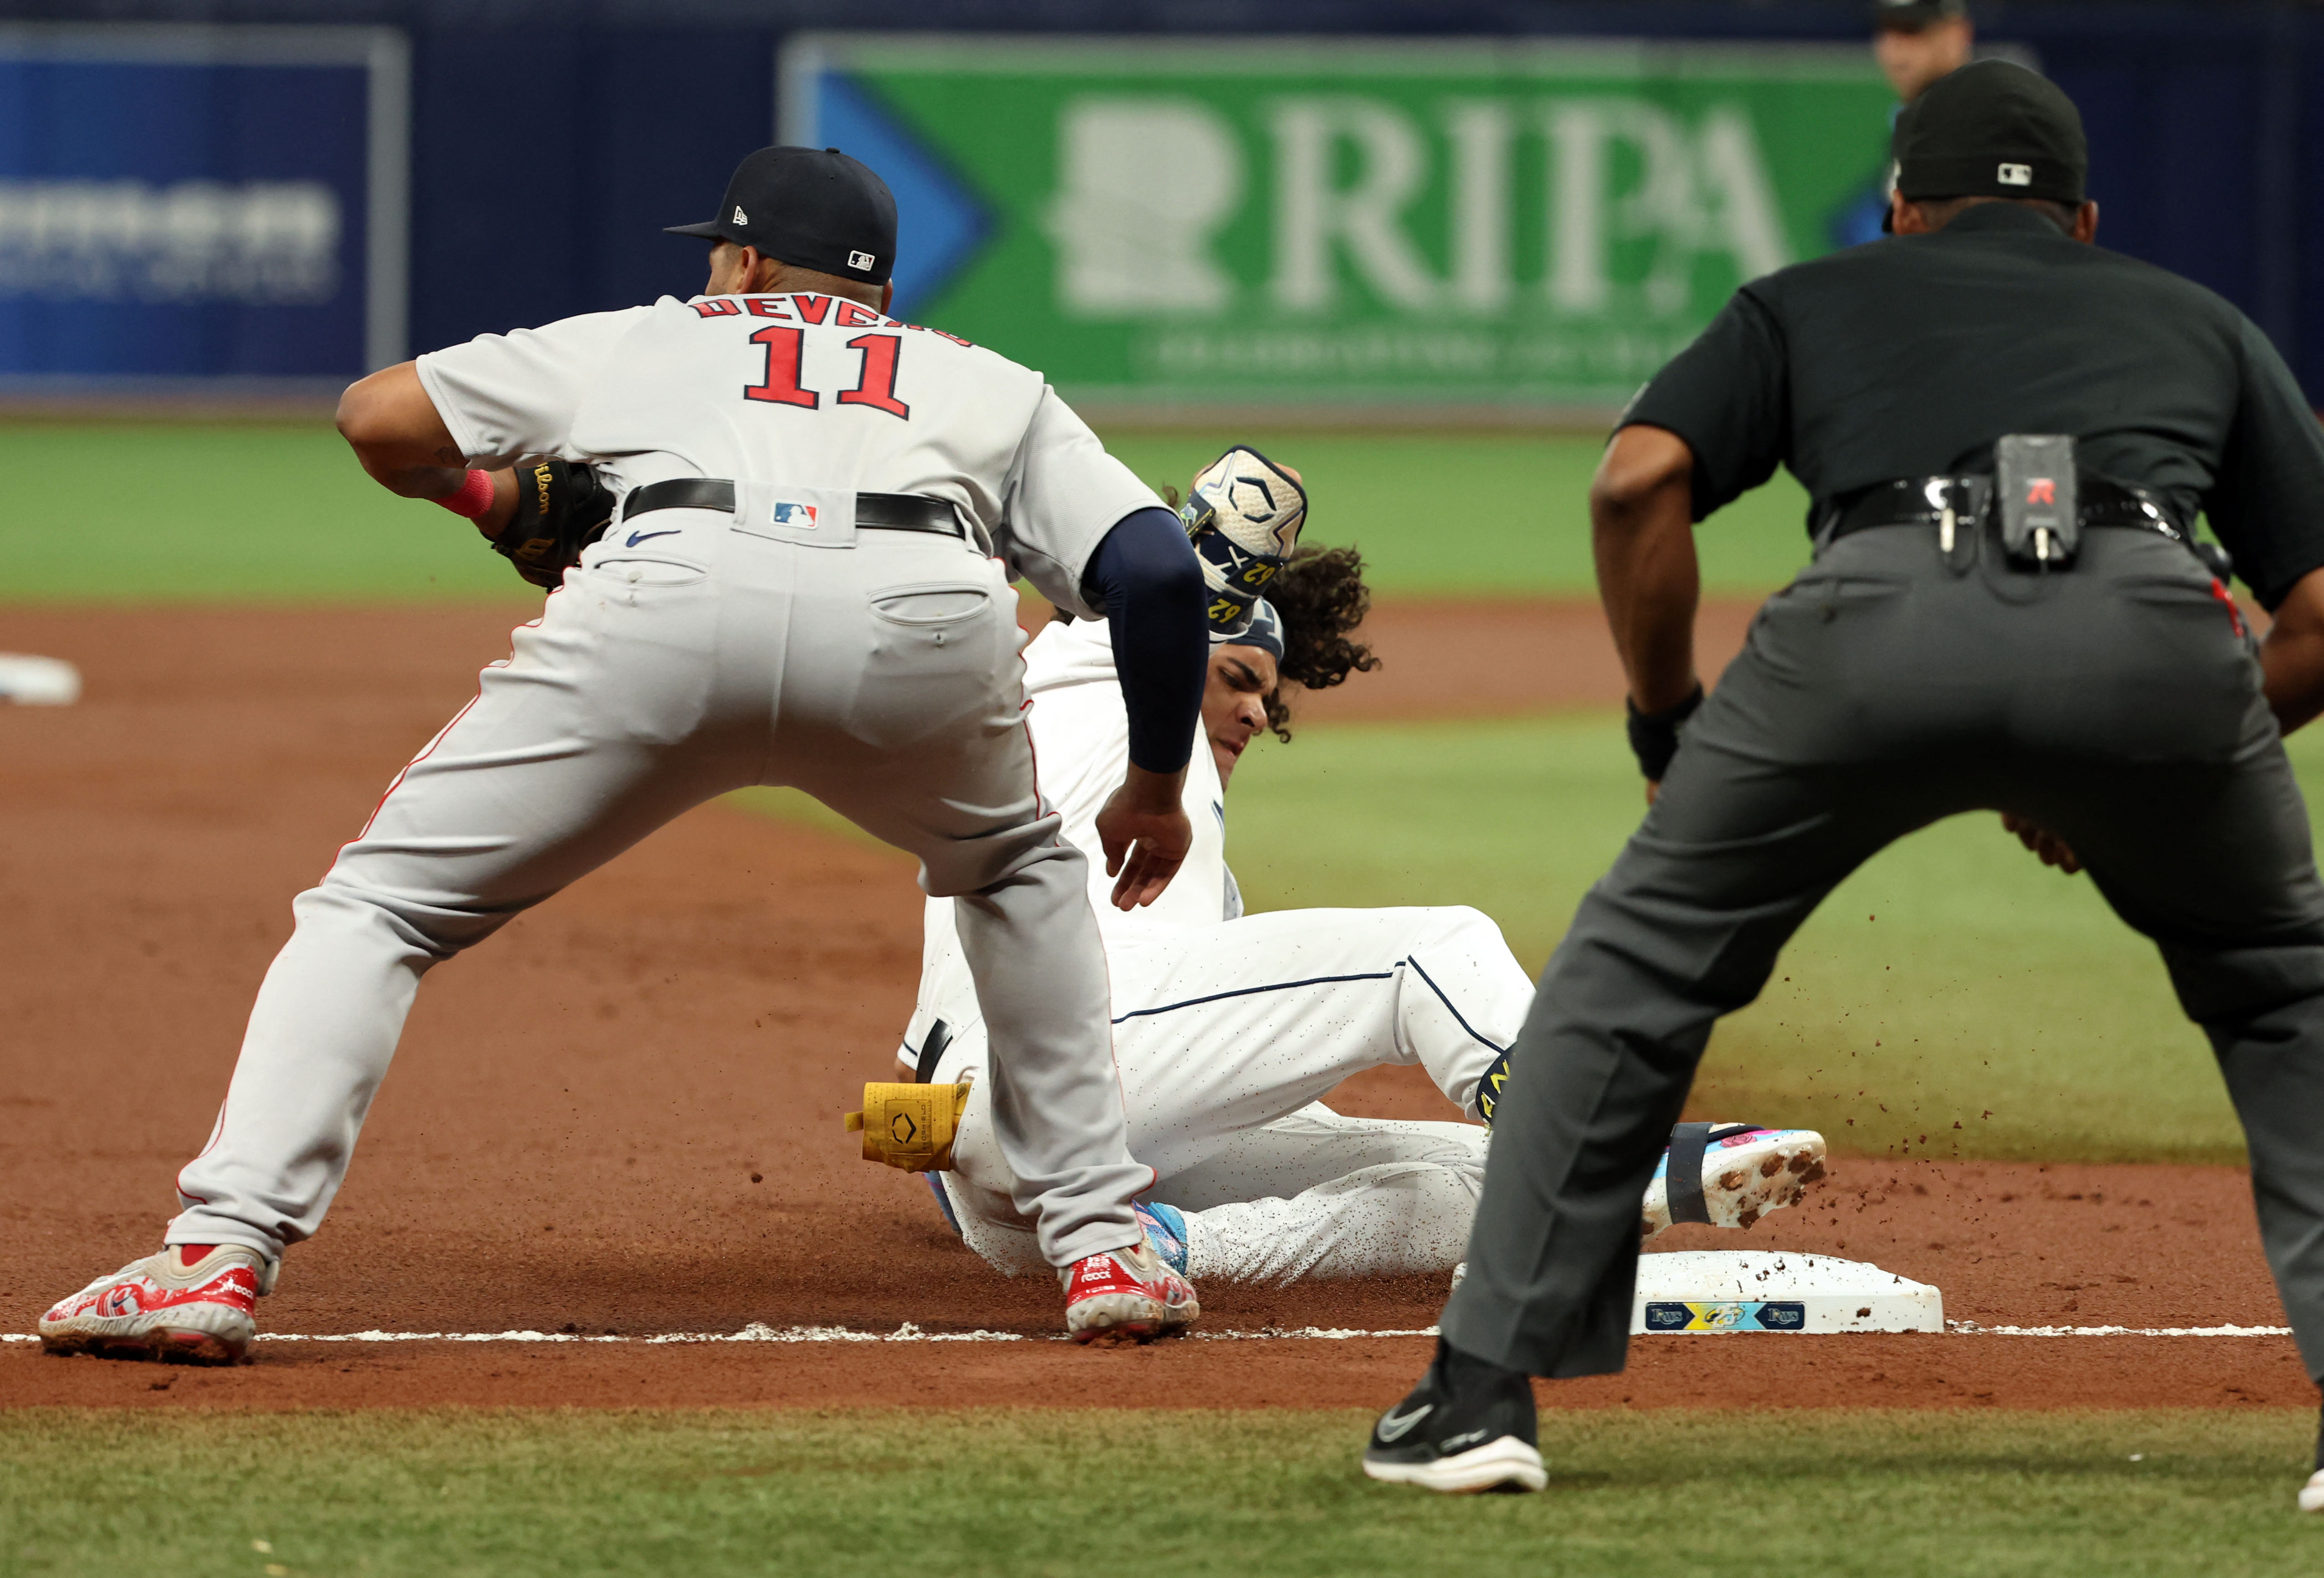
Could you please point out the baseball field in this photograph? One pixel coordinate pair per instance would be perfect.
(609, 1291)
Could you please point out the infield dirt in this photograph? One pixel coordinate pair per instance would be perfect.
(623, 1113)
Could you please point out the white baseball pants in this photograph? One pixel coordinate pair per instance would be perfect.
(880, 675)
(1227, 1036)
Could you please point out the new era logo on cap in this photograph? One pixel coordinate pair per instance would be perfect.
(2015, 175)
(741, 217)
(861, 260)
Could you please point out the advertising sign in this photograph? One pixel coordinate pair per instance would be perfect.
(201, 202)
(1326, 223)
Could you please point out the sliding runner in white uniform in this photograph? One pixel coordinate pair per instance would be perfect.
(1229, 1028)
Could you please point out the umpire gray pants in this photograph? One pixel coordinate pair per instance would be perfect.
(878, 673)
(2116, 703)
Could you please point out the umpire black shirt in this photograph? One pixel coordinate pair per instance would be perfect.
(1909, 357)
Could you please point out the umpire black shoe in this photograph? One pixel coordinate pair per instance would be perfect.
(1468, 1427)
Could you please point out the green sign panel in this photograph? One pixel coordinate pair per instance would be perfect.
(1238, 222)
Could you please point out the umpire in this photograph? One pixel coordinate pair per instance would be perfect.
(2007, 434)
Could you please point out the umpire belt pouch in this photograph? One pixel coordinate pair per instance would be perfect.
(911, 1126)
(812, 517)
(2037, 489)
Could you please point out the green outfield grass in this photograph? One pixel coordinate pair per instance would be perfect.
(1022, 1493)
(1498, 513)
(1953, 979)
(163, 511)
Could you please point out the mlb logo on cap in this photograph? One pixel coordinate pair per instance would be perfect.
(2015, 175)
(790, 515)
(861, 260)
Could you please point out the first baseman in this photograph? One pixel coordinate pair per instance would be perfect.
(815, 514)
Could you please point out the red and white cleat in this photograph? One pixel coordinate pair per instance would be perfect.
(188, 1304)
(1130, 1292)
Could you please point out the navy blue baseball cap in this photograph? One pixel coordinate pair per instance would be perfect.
(811, 207)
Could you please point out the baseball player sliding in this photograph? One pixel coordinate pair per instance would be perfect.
(1229, 1028)
(816, 512)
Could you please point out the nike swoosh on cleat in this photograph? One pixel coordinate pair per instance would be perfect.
(638, 537)
(1393, 1427)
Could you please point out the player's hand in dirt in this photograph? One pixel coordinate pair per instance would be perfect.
(1146, 835)
(2053, 850)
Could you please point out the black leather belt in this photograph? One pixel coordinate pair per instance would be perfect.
(1926, 501)
(878, 512)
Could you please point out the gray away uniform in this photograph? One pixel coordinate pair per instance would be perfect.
(695, 652)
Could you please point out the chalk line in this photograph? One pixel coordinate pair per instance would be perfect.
(910, 1332)
(1971, 1329)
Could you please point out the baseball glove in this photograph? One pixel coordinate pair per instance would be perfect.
(560, 509)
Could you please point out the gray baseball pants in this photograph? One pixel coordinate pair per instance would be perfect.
(2116, 703)
(878, 673)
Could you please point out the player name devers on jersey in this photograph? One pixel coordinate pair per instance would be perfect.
(875, 383)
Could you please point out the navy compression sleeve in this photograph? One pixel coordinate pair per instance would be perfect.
(1146, 576)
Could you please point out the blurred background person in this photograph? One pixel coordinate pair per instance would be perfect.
(1916, 41)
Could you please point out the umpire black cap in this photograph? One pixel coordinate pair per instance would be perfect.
(1913, 15)
(812, 208)
(1992, 130)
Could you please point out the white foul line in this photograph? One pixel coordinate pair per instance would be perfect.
(1971, 1329)
(757, 1331)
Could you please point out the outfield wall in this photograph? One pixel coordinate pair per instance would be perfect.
(548, 142)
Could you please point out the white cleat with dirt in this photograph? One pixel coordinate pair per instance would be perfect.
(1745, 1172)
(188, 1304)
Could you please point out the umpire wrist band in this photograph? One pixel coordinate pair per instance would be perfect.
(1654, 735)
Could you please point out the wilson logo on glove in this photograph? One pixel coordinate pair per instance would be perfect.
(560, 509)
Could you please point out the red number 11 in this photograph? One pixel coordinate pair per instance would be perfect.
(875, 386)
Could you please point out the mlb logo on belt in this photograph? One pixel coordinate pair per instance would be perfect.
(790, 515)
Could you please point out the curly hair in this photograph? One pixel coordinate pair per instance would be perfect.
(1321, 596)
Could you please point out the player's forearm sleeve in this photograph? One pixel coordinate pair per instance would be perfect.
(1146, 577)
